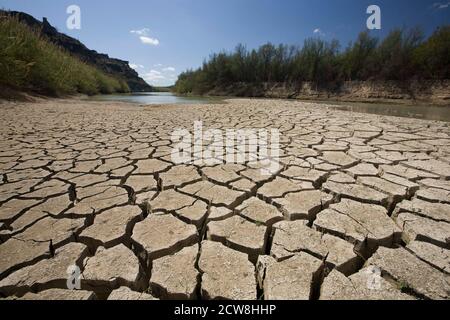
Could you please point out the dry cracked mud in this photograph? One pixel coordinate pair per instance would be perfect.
(358, 209)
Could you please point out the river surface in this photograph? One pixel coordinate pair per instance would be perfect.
(419, 111)
(155, 98)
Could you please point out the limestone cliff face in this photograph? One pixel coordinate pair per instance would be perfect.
(115, 67)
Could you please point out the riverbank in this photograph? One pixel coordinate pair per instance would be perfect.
(416, 110)
(413, 92)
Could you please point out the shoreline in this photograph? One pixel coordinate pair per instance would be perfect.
(363, 108)
(436, 93)
(333, 100)
(393, 102)
(374, 93)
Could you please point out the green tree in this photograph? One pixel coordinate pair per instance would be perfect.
(359, 58)
(432, 58)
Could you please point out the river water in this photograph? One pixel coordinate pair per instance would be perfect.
(419, 111)
(155, 98)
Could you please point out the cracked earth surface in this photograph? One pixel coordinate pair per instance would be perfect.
(93, 185)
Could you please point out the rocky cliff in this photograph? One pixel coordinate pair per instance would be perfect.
(115, 67)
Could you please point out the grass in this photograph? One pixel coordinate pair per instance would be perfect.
(30, 63)
(404, 287)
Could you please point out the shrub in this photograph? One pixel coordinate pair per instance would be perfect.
(30, 62)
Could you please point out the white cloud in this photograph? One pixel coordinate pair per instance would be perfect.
(155, 72)
(153, 76)
(159, 76)
(150, 41)
(141, 32)
(440, 5)
(136, 66)
(144, 36)
(169, 69)
(318, 32)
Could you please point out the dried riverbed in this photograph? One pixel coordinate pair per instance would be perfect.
(359, 208)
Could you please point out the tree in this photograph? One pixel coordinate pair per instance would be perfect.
(359, 58)
(402, 55)
(432, 58)
(395, 54)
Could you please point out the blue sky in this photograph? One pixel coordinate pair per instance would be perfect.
(180, 34)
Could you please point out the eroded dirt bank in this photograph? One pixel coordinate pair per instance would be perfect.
(427, 91)
(358, 209)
